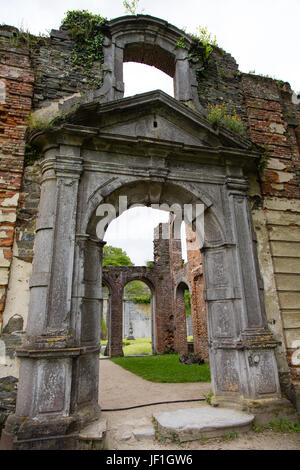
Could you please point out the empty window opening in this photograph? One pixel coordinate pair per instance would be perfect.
(183, 243)
(141, 78)
(189, 318)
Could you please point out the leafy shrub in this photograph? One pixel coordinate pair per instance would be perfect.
(219, 114)
(145, 299)
(86, 29)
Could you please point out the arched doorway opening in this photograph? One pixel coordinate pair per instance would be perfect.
(183, 313)
(145, 251)
(138, 319)
(105, 319)
(86, 174)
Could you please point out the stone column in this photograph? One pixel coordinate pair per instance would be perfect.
(242, 355)
(46, 370)
(86, 327)
(51, 281)
(115, 334)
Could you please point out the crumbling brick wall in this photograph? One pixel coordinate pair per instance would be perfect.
(34, 75)
(198, 305)
(273, 115)
(190, 275)
(16, 83)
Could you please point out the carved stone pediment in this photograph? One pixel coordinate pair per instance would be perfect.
(155, 116)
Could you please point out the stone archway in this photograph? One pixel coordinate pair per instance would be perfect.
(118, 277)
(88, 161)
(148, 311)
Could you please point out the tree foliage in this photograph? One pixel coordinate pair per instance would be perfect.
(113, 256)
(138, 290)
(131, 6)
(187, 299)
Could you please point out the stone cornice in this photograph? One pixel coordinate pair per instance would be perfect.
(74, 130)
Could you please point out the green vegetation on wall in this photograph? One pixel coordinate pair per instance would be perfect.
(145, 299)
(265, 155)
(23, 38)
(201, 49)
(31, 155)
(220, 115)
(87, 31)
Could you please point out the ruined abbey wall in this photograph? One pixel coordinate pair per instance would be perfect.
(43, 76)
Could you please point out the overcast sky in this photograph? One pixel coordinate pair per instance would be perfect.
(262, 35)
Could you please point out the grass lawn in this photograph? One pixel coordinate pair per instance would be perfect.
(137, 346)
(164, 369)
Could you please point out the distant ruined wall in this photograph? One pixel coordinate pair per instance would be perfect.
(139, 316)
(195, 277)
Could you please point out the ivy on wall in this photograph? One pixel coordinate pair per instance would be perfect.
(87, 32)
(145, 299)
(201, 49)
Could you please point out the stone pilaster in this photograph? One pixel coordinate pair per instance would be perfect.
(243, 362)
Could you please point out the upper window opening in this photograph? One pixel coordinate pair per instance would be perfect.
(183, 243)
(150, 54)
(140, 78)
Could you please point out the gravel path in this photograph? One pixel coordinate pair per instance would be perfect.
(120, 388)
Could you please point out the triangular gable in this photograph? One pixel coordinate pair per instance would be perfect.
(155, 115)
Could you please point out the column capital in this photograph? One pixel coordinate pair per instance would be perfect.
(56, 164)
(68, 166)
(237, 185)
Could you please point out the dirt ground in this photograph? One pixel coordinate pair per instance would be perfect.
(120, 389)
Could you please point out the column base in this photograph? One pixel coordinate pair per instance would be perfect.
(265, 410)
(10, 442)
(116, 353)
(47, 433)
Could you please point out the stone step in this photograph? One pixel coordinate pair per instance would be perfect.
(193, 424)
(144, 434)
(135, 430)
(93, 436)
